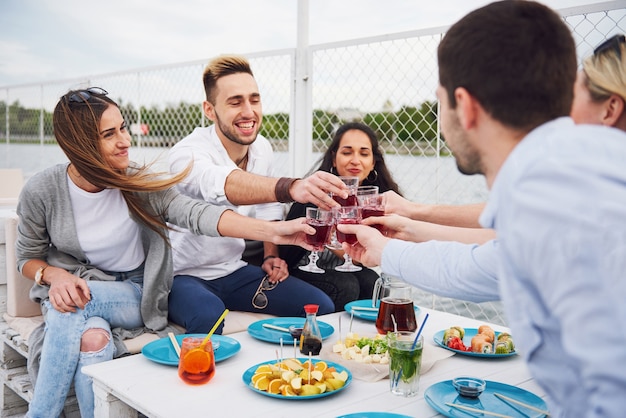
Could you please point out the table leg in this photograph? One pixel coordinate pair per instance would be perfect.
(109, 406)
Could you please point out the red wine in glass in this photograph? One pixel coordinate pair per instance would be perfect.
(351, 200)
(372, 211)
(322, 233)
(343, 237)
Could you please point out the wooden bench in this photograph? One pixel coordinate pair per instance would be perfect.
(20, 316)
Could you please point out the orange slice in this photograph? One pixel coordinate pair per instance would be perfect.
(274, 386)
(321, 366)
(262, 384)
(197, 361)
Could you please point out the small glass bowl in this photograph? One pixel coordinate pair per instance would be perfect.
(469, 387)
(295, 332)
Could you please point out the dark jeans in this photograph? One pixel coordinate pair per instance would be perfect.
(196, 304)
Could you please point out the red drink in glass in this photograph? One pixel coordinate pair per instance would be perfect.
(351, 200)
(322, 233)
(372, 211)
(402, 311)
(343, 237)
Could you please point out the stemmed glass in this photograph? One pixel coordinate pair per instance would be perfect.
(372, 203)
(347, 215)
(353, 184)
(322, 221)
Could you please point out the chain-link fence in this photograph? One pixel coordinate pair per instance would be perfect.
(387, 81)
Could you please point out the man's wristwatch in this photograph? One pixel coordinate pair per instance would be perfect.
(39, 276)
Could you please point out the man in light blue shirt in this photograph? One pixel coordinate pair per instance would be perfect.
(557, 201)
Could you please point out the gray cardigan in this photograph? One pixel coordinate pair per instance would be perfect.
(46, 231)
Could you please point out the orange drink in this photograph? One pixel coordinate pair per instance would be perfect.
(197, 362)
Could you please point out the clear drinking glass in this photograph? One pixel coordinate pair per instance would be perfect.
(197, 361)
(347, 215)
(353, 184)
(322, 221)
(372, 204)
(405, 362)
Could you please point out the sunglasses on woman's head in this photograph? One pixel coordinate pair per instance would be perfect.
(259, 300)
(82, 96)
(613, 43)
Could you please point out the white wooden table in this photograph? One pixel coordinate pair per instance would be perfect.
(127, 385)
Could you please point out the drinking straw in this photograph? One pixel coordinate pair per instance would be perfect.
(419, 332)
(395, 324)
(217, 324)
(174, 343)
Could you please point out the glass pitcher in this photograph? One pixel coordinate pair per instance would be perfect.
(396, 311)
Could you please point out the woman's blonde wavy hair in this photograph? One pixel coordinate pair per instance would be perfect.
(606, 73)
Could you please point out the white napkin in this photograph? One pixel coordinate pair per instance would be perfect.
(374, 372)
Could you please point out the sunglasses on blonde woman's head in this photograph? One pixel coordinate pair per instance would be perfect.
(613, 43)
(82, 96)
(259, 300)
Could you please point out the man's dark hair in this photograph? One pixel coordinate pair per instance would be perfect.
(516, 57)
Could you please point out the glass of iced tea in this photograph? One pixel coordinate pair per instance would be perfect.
(197, 361)
(322, 221)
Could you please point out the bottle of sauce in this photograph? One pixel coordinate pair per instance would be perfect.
(311, 338)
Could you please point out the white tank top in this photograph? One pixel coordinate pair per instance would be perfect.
(110, 239)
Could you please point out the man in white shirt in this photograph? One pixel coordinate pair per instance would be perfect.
(233, 166)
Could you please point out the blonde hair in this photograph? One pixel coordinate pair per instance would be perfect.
(222, 66)
(606, 73)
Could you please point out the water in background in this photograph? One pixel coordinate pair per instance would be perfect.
(421, 179)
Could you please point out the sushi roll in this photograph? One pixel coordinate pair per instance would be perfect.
(488, 331)
(451, 332)
(481, 344)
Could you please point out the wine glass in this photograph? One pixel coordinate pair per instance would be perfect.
(322, 221)
(353, 184)
(372, 203)
(347, 215)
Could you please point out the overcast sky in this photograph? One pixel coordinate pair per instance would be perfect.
(47, 40)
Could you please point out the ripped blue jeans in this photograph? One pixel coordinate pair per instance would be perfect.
(113, 304)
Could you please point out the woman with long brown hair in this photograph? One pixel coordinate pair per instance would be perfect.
(93, 235)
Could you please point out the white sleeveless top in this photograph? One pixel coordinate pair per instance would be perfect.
(110, 239)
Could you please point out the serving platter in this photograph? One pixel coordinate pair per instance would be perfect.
(161, 350)
(439, 394)
(363, 309)
(467, 340)
(258, 331)
(247, 379)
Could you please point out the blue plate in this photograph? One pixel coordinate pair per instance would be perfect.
(374, 415)
(443, 392)
(161, 351)
(257, 331)
(467, 340)
(247, 379)
(367, 315)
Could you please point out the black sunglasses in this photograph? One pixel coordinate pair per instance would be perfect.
(614, 43)
(259, 300)
(82, 96)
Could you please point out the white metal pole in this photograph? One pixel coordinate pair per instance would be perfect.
(300, 139)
